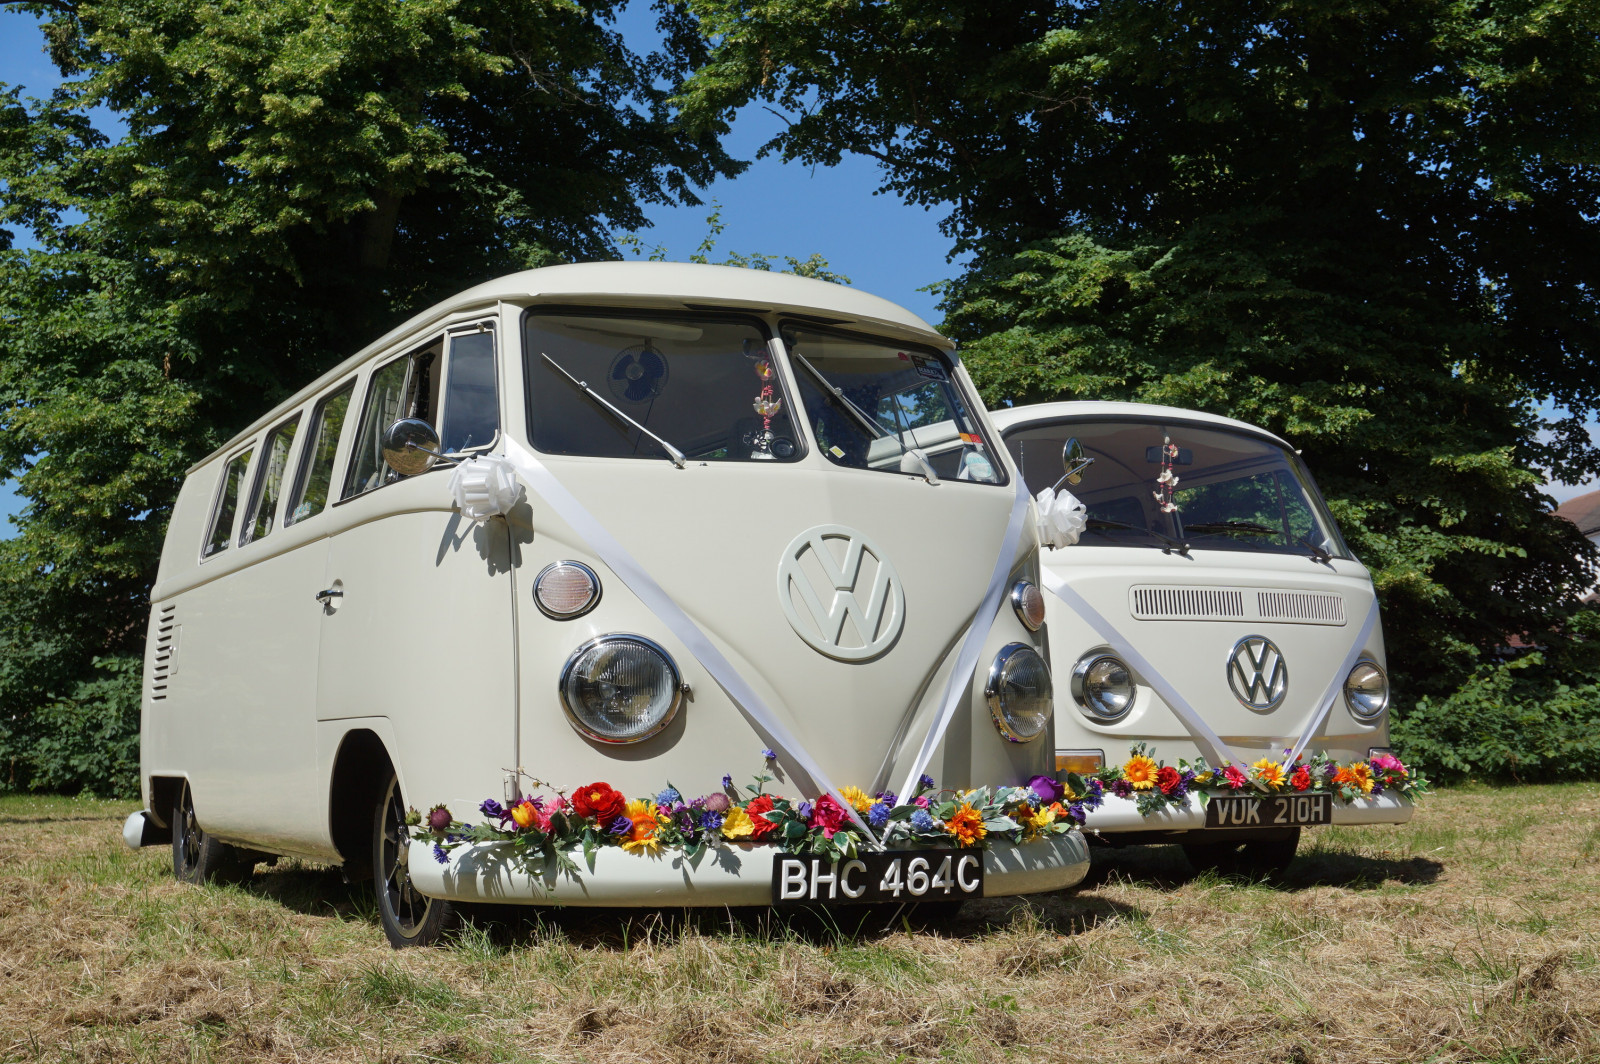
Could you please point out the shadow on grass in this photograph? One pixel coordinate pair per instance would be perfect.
(1166, 868)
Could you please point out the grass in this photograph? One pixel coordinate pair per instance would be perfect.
(1472, 934)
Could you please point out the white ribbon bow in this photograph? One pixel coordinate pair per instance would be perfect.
(484, 486)
(1062, 518)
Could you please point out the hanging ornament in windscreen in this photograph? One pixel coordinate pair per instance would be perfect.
(763, 445)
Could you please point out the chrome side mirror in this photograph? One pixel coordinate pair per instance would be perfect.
(410, 446)
(1074, 461)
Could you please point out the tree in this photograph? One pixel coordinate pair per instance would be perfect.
(1370, 228)
(293, 179)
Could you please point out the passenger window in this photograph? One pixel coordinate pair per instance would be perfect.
(227, 503)
(269, 482)
(316, 468)
(406, 387)
(471, 402)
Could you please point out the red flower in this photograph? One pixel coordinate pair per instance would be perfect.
(1167, 779)
(600, 801)
(828, 815)
(1301, 779)
(763, 827)
(1233, 777)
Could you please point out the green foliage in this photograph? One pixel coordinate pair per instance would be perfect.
(88, 741)
(1515, 720)
(293, 179)
(1368, 228)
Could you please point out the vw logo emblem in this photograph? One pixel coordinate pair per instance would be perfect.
(840, 593)
(1257, 673)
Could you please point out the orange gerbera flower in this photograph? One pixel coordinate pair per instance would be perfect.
(966, 824)
(1269, 772)
(1140, 771)
(646, 820)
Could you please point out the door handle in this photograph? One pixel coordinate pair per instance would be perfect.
(327, 595)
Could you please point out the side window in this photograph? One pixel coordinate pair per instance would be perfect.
(227, 504)
(269, 482)
(406, 387)
(471, 400)
(316, 468)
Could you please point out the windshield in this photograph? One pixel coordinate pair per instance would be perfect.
(1153, 482)
(702, 386)
(871, 404)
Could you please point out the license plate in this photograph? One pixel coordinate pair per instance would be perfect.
(892, 875)
(1279, 810)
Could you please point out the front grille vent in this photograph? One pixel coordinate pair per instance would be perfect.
(166, 655)
(1305, 607)
(1187, 603)
(1179, 603)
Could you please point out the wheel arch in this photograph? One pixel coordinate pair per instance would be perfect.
(360, 770)
(164, 792)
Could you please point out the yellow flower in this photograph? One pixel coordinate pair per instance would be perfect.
(1140, 771)
(966, 824)
(1361, 776)
(1269, 772)
(1037, 820)
(737, 824)
(856, 797)
(646, 819)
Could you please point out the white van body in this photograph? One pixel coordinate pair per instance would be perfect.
(288, 668)
(1286, 579)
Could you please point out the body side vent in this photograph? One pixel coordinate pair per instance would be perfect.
(1187, 603)
(165, 665)
(1301, 607)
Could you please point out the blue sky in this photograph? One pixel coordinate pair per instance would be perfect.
(884, 246)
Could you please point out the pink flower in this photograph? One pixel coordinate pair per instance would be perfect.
(1234, 777)
(545, 808)
(921, 801)
(828, 815)
(1387, 763)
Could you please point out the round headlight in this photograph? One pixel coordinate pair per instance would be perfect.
(1019, 692)
(1102, 687)
(1029, 604)
(1366, 690)
(566, 589)
(620, 689)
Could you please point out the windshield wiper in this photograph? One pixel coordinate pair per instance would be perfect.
(1319, 553)
(866, 420)
(672, 452)
(1248, 527)
(1173, 544)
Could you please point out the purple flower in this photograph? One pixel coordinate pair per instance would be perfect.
(1330, 770)
(439, 854)
(1122, 788)
(1075, 813)
(727, 779)
(1377, 787)
(878, 816)
(669, 797)
(925, 781)
(717, 803)
(492, 808)
(438, 818)
(1046, 788)
(888, 798)
(769, 755)
(921, 821)
(620, 826)
(804, 810)
(710, 821)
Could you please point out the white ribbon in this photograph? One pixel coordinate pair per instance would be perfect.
(483, 487)
(1211, 746)
(799, 763)
(1320, 712)
(1062, 518)
(977, 634)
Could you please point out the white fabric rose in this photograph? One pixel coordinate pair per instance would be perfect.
(484, 487)
(1062, 518)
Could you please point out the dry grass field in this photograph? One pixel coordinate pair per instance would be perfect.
(1472, 934)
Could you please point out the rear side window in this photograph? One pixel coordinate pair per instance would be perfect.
(269, 482)
(227, 504)
(316, 468)
(471, 401)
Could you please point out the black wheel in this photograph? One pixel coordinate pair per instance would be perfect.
(1253, 859)
(198, 857)
(408, 917)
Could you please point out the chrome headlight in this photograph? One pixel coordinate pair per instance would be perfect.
(1019, 692)
(1029, 604)
(1103, 687)
(564, 590)
(620, 689)
(1366, 691)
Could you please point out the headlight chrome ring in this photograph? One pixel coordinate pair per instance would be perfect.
(1366, 690)
(1029, 604)
(1019, 693)
(1103, 687)
(620, 689)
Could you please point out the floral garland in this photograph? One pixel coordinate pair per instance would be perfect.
(549, 827)
(1156, 785)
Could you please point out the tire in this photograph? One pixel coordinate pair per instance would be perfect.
(198, 857)
(409, 918)
(1255, 859)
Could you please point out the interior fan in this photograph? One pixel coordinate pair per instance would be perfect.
(638, 373)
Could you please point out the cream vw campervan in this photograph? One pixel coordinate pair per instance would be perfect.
(1209, 610)
(685, 523)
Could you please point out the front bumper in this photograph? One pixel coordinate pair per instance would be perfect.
(723, 876)
(1122, 814)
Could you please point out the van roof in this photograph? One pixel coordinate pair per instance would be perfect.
(649, 285)
(1007, 418)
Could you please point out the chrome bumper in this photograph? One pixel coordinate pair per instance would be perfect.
(723, 876)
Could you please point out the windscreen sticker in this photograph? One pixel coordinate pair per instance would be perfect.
(836, 452)
(928, 367)
(973, 439)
